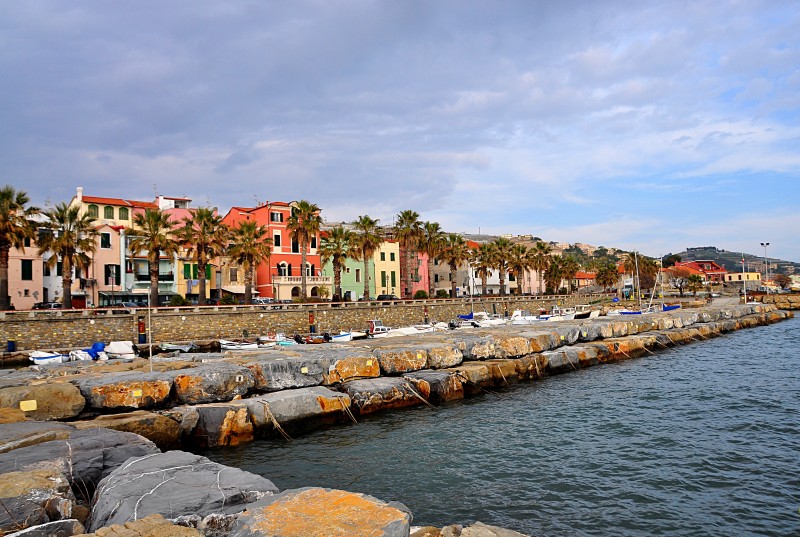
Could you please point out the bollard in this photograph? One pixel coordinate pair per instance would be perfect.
(11, 345)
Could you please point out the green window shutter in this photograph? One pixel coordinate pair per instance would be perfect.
(383, 278)
(187, 271)
(208, 272)
(194, 272)
(394, 282)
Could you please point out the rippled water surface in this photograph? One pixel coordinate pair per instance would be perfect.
(698, 440)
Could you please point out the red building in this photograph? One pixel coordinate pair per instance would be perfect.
(280, 278)
(711, 270)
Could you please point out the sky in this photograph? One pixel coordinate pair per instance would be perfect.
(642, 125)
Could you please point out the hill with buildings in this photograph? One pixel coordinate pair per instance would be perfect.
(732, 261)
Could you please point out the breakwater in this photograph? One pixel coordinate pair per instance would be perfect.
(219, 400)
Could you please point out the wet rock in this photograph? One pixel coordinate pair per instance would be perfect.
(33, 498)
(16, 435)
(530, 367)
(539, 341)
(149, 526)
(11, 415)
(474, 347)
(371, 395)
(163, 431)
(561, 361)
(276, 371)
(132, 389)
(351, 367)
(508, 346)
(437, 386)
(567, 334)
(502, 372)
(85, 457)
(222, 424)
(398, 360)
(174, 484)
(57, 528)
(316, 511)
(293, 409)
(211, 383)
(478, 529)
(47, 401)
(474, 376)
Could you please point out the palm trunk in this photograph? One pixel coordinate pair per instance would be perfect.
(303, 291)
(66, 283)
(431, 286)
(453, 282)
(201, 286)
(5, 300)
(154, 283)
(366, 277)
(337, 281)
(502, 280)
(484, 277)
(248, 285)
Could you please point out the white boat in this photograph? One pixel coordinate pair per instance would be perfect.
(121, 349)
(170, 347)
(227, 345)
(585, 311)
(522, 317)
(558, 314)
(47, 357)
(342, 337)
(376, 328)
(486, 320)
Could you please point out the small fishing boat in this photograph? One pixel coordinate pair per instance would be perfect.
(342, 337)
(376, 328)
(228, 345)
(585, 311)
(48, 358)
(123, 350)
(172, 347)
(670, 307)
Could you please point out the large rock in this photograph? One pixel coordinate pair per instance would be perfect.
(46, 401)
(33, 498)
(14, 435)
(212, 382)
(274, 370)
(478, 529)
(85, 457)
(149, 526)
(58, 528)
(475, 347)
(132, 389)
(297, 408)
(398, 360)
(163, 431)
(174, 484)
(222, 424)
(371, 395)
(323, 512)
(437, 386)
(352, 365)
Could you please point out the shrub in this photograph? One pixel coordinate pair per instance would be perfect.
(421, 294)
(228, 300)
(442, 293)
(178, 300)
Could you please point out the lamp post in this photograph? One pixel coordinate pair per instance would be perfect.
(766, 267)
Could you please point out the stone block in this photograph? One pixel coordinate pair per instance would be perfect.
(354, 365)
(163, 431)
(45, 401)
(475, 347)
(316, 511)
(296, 407)
(222, 424)
(282, 371)
(15, 435)
(437, 386)
(507, 346)
(57, 528)
(132, 389)
(174, 484)
(31, 498)
(397, 360)
(372, 395)
(211, 383)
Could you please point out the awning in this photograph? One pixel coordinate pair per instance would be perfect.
(234, 289)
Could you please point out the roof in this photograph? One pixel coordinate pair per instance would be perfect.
(581, 275)
(119, 201)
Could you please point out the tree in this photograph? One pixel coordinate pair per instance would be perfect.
(70, 236)
(336, 246)
(304, 224)
(569, 268)
(431, 243)
(648, 270)
(679, 278)
(607, 275)
(368, 239)
(454, 253)
(250, 247)
(502, 252)
(204, 236)
(519, 261)
(694, 284)
(483, 260)
(670, 260)
(782, 280)
(408, 232)
(153, 232)
(540, 260)
(15, 227)
(554, 274)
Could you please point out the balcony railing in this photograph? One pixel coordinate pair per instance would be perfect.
(161, 277)
(295, 280)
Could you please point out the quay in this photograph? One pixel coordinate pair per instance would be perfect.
(85, 444)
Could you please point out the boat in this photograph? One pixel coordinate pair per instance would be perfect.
(376, 328)
(48, 358)
(172, 347)
(124, 350)
(342, 337)
(228, 345)
(486, 320)
(522, 317)
(585, 311)
(670, 307)
(559, 314)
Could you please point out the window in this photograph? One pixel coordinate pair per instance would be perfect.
(295, 247)
(26, 292)
(313, 242)
(234, 275)
(26, 242)
(383, 256)
(27, 269)
(391, 256)
(276, 217)
(108, 212)
(383, 278)
(105, 240)
(436, 278)
(358, 275)
(347, 270)
(394, 281)
(276, 239)
(46, 269)
(282, 269)
(111, 275)
(92, 211)
(289, 269)
(123, 213)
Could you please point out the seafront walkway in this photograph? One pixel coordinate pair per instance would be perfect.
(102, 427)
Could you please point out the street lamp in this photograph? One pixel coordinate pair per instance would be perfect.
(766, 267)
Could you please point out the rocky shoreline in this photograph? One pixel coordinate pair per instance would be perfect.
(106, 447)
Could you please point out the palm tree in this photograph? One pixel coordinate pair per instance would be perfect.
(454, 252)
(204, 235)
(554, 274)
(15, 227)
(336, 247)
(607, 275)
(368, 239)
(519, 261)
(70, 237)
(569, 267)
(694, 283)
(483, 261)
(153, 232)
(502, 252)
(304, 224)
(408, 232)
(431, 243)
(648, 270)
(250, 246)
(540, 260)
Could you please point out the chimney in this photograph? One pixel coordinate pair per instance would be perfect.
(79, 195)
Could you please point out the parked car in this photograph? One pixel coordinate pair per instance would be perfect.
(47, 306)
(388, 297)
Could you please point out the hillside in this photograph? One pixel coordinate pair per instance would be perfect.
(732, 261)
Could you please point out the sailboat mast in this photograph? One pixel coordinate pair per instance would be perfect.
(637, 282)
(744, 281)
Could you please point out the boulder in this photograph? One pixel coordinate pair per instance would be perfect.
(45, 401)
(539, 341)
(511, 346)
(316, 404)
(132, 389)
(163, 431)
(474, 376)
(84, 457)
(478, 529)
(149, 526)
(371, 395)
(57, 528)
(316, 511)
(174, 484)
(441, 356)
(222, 424)
(398, 360)
(212, 382)
(475, 347)
(14, 435)
(437, 386)
(11, 415)
(353, 367)
(30, 498)
(276, 371)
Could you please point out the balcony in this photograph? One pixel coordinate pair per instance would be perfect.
(161, 277)
(297, 280)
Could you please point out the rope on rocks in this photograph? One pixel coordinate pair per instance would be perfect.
(347, 411)
(274, 421)
(412, 390)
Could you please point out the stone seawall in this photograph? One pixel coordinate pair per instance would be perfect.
(782, 302)
(80, 443)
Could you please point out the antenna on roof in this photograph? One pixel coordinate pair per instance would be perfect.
(155, 190)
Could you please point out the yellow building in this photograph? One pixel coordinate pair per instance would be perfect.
(387, 268)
